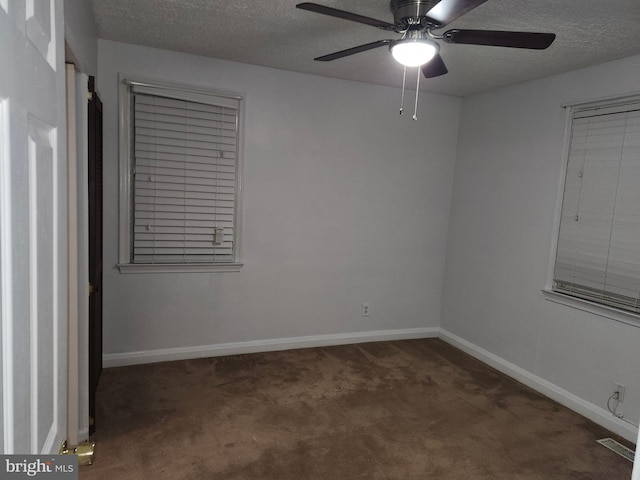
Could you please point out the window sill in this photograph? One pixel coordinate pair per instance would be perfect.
(592, 307)
(178, 268)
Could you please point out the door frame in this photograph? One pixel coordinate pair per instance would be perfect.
(78, 278)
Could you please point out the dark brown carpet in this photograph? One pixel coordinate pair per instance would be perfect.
(415, 409)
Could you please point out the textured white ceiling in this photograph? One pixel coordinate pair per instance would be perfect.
(276, 34)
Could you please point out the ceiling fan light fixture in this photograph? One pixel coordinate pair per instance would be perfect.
(412, 52)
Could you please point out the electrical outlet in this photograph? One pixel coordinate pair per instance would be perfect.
(365, 309)
(620, 390)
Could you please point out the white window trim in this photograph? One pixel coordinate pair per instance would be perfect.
(605, 311)
(178, 267)
(124, 223)
(612, 313)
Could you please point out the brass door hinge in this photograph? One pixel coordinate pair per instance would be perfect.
(84, 451)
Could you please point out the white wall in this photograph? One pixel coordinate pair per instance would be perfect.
(507, 177)
(345, 202)
(81, 34)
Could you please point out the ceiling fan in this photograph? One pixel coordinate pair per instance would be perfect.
(416, 21)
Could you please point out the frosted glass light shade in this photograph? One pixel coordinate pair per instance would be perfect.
(413, 53)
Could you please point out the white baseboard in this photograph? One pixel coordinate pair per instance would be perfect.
(589, 410)
(172, 354)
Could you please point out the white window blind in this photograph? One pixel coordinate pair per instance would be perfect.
(598, 255)
(184, 176)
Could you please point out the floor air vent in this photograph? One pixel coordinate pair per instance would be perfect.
(620, 449)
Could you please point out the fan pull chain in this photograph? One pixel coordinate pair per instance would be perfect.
(404, 78)
(415, 110)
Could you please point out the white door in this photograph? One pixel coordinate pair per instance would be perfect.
(33, 224)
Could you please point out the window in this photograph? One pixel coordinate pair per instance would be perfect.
(180, 179)
(598, 252)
